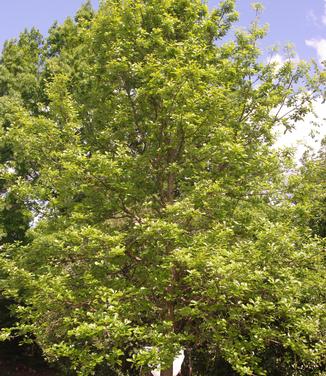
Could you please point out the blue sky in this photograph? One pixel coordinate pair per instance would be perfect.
(302, 22)
(15, 15)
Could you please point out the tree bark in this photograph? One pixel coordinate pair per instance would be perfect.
(168, 372)
(186, 368)
(169, 198)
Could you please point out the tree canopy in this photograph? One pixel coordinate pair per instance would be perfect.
(144, 208)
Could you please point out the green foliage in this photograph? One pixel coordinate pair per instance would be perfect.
(150, 210)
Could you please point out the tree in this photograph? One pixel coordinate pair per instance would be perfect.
(161, 205)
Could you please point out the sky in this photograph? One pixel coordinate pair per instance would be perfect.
(300, 22)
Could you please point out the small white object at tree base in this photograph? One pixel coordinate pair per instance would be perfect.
(177, 363)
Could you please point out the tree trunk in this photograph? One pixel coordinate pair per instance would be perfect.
(186, 368)
(168, 372)
(169, 198)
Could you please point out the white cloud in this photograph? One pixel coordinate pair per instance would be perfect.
(324, 15)
(278, 59)
(300, 138)
(319, 45)
(318, 20)
(313, 18)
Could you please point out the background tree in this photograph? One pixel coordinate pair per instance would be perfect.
(308, 189)
(19, 85)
